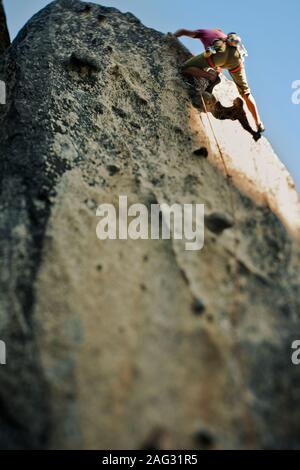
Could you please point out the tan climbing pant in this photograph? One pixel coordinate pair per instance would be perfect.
(228, 59)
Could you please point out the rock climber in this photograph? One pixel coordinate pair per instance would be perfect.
(222, 51)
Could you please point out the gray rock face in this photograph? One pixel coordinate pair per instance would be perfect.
(122, 343)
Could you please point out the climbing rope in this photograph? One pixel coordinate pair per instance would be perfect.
(228, 177)
(236, 287)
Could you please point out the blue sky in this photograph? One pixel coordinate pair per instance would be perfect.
(269, 29)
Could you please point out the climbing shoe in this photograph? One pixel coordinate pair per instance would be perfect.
(260, 128)
(212, 84)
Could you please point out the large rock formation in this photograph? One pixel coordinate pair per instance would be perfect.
(131, 344)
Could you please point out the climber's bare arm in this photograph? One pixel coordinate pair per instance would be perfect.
(185, 32)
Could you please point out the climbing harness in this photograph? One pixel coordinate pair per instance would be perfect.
(237, 69)
(212, 65)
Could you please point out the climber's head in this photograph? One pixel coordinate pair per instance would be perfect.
(219, 45)
(233, 39)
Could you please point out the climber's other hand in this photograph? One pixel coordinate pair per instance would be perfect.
(178, 33)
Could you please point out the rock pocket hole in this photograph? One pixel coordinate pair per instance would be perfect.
(218, 222)
(85, 9)
(198, 307)
(113, 169)
(101, 18)
(201, 152)
(204, 438)
(81, 62)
